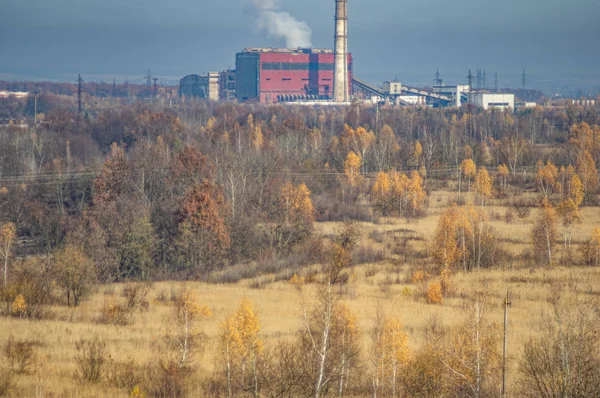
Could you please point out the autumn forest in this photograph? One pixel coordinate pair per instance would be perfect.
(202, 249)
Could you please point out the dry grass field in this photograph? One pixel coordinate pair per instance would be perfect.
(279, 303)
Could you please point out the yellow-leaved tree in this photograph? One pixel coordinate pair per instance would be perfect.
(175, 363)
(462, 237)
(256, 137)
(290, 219)
(390, 353)
(397, 195)
(544, 233)
(569, 215)
(241, 352)
(483, 186)
(329, 344)
(187, 311)
(472, 353)
(576, 190)
(380, 193)
(352, 167)
(444, 249)
(418, 153)
(468, 171)
(588, 173)
(7, 236)
(416, 194)
(546, 178)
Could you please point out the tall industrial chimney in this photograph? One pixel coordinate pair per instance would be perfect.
(340, 79)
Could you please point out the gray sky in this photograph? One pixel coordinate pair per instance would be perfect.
(556, 40)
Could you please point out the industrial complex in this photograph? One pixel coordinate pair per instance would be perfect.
(308, 76)
(270, 75)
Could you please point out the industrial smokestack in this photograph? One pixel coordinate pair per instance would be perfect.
(340, 79)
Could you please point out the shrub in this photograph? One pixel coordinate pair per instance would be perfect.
(168, 380)
(521, 208)
(136, 296)
(29, 290)
(261, 282)
(115, 313)
(6, 382)
(419, 277)
(296, 281)
(366, 255)
(434, 293)
(91, 359)
(19, 355)
(126, 375)
(371, 271)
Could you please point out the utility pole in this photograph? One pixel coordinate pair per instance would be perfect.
(155, 86)
(507, 304)
(79, 88)
(470, 77)
(377, 119)
(496, 81)
(438, 81)
(35, 110)
(524, 78)
(114, 87)
(484, 80)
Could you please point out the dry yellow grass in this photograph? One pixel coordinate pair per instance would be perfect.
(279, 306)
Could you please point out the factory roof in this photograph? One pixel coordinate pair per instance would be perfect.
(289, 50)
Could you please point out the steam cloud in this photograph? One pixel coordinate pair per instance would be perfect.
(282, 25)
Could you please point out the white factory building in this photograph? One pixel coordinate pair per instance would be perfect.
(458, 93)
(493, 101)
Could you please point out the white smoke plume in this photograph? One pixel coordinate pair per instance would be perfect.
(282, 25)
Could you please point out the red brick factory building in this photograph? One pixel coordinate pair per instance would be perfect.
(269, 75)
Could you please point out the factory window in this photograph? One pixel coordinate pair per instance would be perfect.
(297, 66)
(286, 79)
(326, 80)
(498, 104)
(268, 78)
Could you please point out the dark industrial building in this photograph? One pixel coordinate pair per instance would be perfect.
(268, 75)
(193, 86)
(227, 85)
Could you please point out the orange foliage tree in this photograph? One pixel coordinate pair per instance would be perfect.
(588, 174)
(397, 195)
(203, 238)
(468, 170)
(546, 178)
(483, 186)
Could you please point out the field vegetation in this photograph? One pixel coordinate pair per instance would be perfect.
(228, 250)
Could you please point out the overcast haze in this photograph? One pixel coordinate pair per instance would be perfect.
(557, 41)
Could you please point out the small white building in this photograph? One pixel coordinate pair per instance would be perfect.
(412, 99)
(493, 101)
(525, 105)
(457, 93)
(392, 88)
(13, 94)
